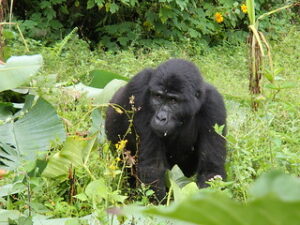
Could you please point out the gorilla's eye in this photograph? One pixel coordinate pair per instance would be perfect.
(173, 100)
(157, 95)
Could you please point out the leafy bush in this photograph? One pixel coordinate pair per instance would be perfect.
(132, 22)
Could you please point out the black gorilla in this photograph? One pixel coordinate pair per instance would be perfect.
(174, 123)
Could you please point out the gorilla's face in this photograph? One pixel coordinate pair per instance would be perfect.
(174, 99)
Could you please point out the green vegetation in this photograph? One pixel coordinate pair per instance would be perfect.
(56, 167)
(130, 23)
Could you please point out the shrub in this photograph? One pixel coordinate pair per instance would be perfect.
(131, 22)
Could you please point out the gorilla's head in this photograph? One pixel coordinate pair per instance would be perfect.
(176, 95)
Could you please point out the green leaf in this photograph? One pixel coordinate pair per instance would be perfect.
(113, 8)
(181, 185)
(32, 134)
(91, 92)
(100, 78)
(109, 90)
(75, 153)
(18, 70)
(286, 85)
(123, 41)
(8, 34)
(97, 95)
(5, 111)
(97, 126)
(97, 189)
(5, 215)
(10, 189)
(269, 76)
(90, 4)
(276, 200)
(251, 11)
(178, 177)
(281, 85)
(284, 186)
(272, 86)
(81, 197)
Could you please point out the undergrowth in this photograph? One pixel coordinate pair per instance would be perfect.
(257, 141)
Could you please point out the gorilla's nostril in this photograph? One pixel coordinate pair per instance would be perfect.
(161, 118)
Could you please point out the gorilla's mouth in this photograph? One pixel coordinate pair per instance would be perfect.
(163, 131)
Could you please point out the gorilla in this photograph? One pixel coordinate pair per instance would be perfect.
(176, 111)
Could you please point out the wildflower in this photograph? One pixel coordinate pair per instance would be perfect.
(244, 8)
(218, 17)
(131, 99)
(121, 144)
(112, 167)
(118, 159)
(216, 177)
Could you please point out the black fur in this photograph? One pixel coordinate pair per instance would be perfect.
(178, 110)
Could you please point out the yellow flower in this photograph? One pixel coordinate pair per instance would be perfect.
(121, 144)
(118, 159)
(244, 8)
(218, 17)
(112, 167)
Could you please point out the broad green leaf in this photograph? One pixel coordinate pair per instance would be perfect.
(217, 209)
(100, 78)
(178, 181)
(109, 90)
(272, 86)
(190, 188)
(97, 189)
(200, 208)
(9, 157)
(32, 134)
(8, 214)
(97, 95)
(177, 175)
(75, 153)
(281, 85)
(276, 201)
(284, 186)
(90, 92)
(285, 85)
(97, 126)
(18, 70)
(10, 189)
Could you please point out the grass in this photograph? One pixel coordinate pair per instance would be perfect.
(257, 141)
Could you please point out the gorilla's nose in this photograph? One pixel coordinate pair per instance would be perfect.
(161, 117)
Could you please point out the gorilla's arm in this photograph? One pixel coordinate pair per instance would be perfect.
(152, 164)
(212, 146)
(117, 124)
